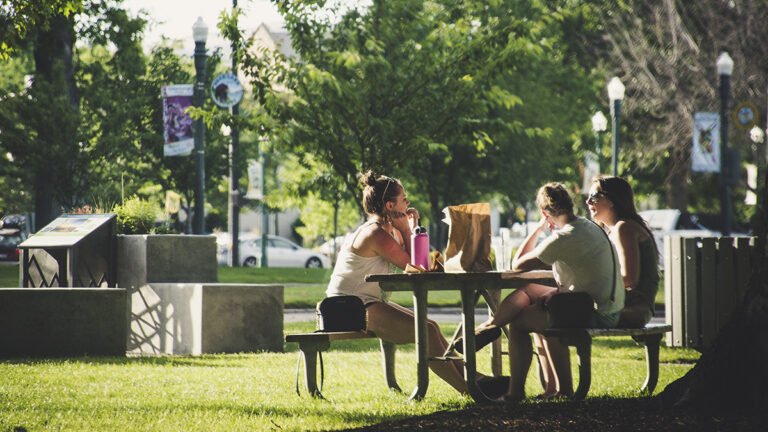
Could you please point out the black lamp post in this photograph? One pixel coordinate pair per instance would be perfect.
(725, 69)
(200, 35)
(615, 95)
(599, 125)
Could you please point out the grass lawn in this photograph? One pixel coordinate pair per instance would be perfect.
(246, 392)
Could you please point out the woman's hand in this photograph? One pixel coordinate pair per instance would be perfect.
(413, 218)
(401, 222)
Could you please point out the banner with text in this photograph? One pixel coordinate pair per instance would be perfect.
(705, 154)
(177, 125)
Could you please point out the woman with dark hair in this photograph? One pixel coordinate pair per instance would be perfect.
(380, 243)
(611, 203)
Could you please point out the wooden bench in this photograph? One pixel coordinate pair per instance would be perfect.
(312, 345)
(650, 336)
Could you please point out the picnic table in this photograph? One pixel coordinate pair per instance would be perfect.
(471, 286)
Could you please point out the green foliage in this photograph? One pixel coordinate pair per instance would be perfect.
(136, 216)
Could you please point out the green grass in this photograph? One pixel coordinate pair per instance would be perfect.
(247, 392)
(9, 275)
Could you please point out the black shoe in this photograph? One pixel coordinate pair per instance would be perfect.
(494, 387)
(483, 337)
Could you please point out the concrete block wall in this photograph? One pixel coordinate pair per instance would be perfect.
(197, 318)
(55, 322)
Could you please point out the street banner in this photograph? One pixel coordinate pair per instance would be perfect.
(705, 154)
(255, 191)
(177, 125)
(751, 197)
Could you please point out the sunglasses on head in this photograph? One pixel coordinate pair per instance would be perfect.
(594, 197)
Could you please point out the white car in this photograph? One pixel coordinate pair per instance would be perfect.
(281, 252)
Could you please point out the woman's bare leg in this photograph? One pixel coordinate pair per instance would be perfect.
(561, 363)
(512, 304)
(530, 319)
(546, 369)
(394, 323)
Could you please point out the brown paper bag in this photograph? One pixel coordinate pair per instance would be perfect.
(469, 238)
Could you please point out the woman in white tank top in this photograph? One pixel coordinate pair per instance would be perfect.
(375, 246)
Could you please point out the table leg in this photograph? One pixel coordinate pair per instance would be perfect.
(470, 358)
(422, 351)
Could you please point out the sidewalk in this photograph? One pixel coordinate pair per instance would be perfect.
(441, 315)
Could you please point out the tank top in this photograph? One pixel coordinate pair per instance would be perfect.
(348, 277)
(648, 282)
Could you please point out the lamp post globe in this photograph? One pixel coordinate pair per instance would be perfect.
(200, 35)
(724, 70)
(599, 125)
(615, 95)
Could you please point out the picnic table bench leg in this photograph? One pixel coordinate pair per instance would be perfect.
(651, 343)
(422, 351)
(310, 350)
(388, 353)
(583, 343)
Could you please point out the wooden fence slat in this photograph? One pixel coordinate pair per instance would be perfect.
(669, 269)
(678, 308)
(691, 292)
(743, 266)
(708, 278)
(726, 277)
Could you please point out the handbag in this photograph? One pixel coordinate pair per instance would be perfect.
(576, 309)
(341, 313)
(570, 310)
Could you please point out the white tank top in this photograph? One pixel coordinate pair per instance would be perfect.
(348, 277)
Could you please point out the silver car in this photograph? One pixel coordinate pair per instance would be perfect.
(281, 252)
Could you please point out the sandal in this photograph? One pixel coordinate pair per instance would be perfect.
(493, 387)
(483, 337)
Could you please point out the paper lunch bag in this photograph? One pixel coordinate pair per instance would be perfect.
(469, 238)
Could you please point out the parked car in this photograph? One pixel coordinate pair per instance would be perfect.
(281, 252)
(9, 243)
(664, 222)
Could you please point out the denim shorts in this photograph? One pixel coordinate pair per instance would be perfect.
(605, 320)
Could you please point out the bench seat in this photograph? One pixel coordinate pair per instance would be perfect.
(312, 345)
(650, 336)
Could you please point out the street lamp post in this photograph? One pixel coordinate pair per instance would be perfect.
(264, 210)
(615, 95)
(234, 168)
(725, 69)
(199, 34)
(599, 125)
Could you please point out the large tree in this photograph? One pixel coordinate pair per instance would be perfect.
(427, 91)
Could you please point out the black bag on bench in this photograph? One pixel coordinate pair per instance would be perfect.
(341, 313)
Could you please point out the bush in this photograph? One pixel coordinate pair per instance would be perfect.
(135, 216)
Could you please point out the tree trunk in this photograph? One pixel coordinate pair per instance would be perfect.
(676, 185)
(57, 135)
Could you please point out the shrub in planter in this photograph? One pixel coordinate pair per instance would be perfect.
(135, 216)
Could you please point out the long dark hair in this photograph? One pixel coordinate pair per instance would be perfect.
(620, 193)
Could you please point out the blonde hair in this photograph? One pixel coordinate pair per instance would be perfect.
(554, 199)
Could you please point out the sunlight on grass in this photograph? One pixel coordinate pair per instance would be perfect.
(245, 392)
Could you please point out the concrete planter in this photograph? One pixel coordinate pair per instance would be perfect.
(176, 306)
(142, 259)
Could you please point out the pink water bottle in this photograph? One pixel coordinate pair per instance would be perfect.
(420, 248)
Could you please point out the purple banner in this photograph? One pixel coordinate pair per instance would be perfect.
(177, 125)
